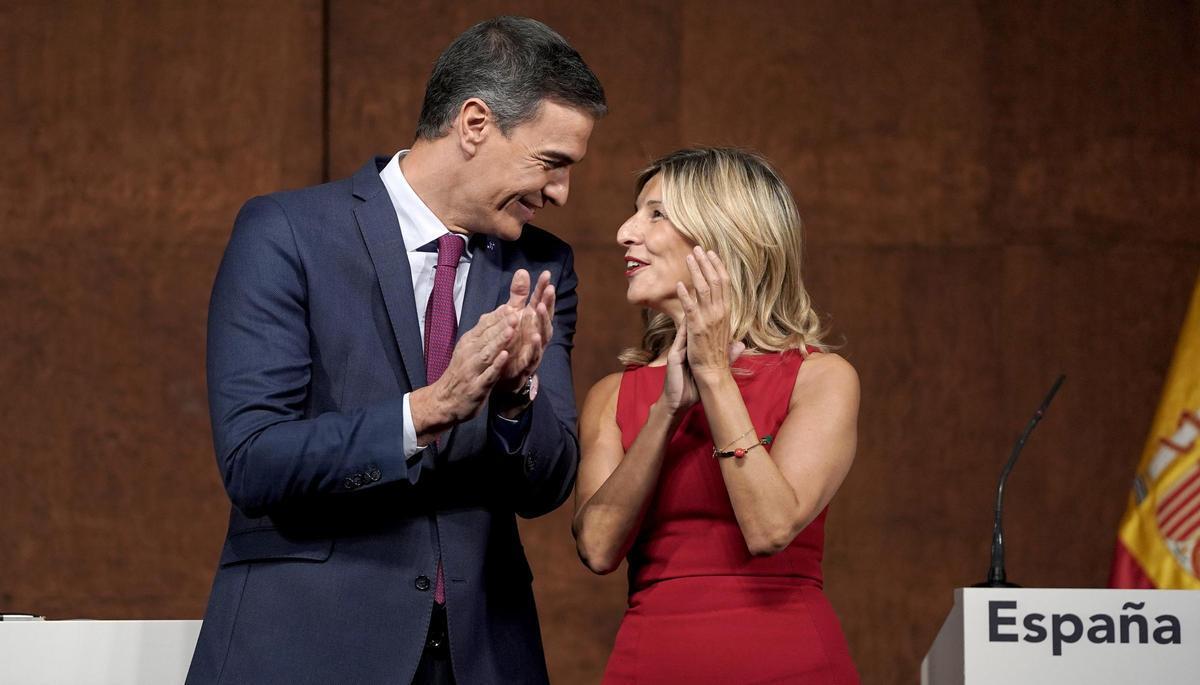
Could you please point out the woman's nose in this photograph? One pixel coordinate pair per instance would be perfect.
(628, 234)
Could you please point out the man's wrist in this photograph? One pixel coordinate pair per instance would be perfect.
(430, 415)
(510, 404)
(509, 386)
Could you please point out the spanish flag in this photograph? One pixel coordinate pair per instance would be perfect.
(1158, 543)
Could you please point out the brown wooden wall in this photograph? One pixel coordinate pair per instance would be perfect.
(993, 193)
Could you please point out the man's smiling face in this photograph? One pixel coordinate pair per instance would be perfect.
(513, 176)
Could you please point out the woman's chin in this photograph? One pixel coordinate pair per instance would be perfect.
(637, 299)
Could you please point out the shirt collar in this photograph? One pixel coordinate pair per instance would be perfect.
(419, 226)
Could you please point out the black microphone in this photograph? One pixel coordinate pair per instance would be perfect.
(996, 576)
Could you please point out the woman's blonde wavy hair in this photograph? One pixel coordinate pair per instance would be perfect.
(732, 202)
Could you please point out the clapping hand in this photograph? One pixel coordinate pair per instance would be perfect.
(534, 328)
(702, 346)
(679, 388)
(710, 351)
(475, 367)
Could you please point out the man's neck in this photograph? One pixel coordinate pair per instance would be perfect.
(429, 173)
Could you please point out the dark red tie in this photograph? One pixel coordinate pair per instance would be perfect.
(441, 324)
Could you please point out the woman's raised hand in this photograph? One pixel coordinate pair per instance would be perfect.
(709, 344)
(679, 388)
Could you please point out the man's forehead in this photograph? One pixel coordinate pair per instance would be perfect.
(558, 131)
(549, 110)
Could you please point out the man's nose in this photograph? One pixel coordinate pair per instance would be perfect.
(559, 187)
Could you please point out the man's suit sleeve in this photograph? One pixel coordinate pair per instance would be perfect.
(259, 368)
(543, 468)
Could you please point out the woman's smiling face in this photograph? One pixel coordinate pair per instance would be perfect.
(655, 252)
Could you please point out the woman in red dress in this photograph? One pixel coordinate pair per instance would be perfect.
(710, 460)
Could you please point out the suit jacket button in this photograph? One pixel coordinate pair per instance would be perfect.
(529, 463)
(374, 474)
(357, 479)
(422, 583)
(349, 483)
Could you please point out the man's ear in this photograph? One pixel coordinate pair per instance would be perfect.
(473, 125)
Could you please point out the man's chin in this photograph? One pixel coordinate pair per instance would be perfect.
(506, 228)
(510, 228)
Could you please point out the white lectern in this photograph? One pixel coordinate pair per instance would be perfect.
(96, 652)
(1000, 636)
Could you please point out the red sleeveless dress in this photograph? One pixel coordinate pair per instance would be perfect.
(701, 608)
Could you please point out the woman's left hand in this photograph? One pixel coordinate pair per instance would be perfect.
(710, 350)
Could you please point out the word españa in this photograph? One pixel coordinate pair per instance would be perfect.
(1069, 628)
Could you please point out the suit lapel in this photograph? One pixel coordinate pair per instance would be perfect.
(483, 283)
(483, 291)
(381, 232)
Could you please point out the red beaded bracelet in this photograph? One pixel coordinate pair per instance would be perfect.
(741, 452)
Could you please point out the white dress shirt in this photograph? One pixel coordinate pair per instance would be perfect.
(420, 229)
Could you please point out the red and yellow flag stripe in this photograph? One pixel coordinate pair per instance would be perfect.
(1158, 542)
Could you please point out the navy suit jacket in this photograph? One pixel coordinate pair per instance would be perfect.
(333, 537)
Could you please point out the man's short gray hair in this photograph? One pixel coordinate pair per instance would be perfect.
(512, 64)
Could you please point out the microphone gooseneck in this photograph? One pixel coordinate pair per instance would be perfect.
(996, 576)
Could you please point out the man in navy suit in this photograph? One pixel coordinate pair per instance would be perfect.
(389, 380)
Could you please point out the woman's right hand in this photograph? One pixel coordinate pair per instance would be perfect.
(679, 389)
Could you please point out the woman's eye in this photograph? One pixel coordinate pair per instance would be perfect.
(656, 214)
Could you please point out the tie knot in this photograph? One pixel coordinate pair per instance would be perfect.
(450, 249)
